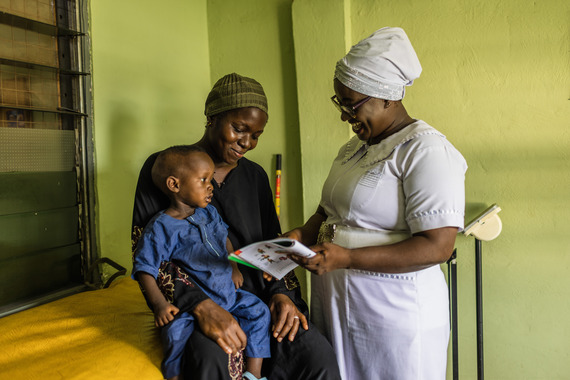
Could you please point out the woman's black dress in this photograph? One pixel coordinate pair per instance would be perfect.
(245, 202)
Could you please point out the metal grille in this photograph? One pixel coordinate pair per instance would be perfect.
(45, 154)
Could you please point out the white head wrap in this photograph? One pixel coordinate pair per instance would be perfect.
(380, 65)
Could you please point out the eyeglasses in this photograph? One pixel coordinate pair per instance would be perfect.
(349, 110)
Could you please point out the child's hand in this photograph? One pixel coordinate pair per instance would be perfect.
(237, 278)
(164, 314)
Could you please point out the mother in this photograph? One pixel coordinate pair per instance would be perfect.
(389, 213)
(236, 111)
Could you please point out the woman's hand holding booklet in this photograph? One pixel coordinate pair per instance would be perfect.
(270, 256)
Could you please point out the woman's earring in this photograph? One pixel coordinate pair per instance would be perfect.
(208, 124)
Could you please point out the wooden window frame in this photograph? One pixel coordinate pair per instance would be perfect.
(76, 110)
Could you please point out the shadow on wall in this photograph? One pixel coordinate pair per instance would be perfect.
(117, 181)
(292, 135)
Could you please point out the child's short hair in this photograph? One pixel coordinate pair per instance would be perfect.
(167, 165)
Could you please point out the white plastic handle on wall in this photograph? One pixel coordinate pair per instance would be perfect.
(487, 226)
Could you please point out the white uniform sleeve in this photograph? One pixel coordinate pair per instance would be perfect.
(434, 184)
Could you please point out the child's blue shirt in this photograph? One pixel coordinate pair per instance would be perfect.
(196, 244)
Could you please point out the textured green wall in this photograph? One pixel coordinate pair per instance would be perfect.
(496, 82)
(153, 69)
(321, 33)
(254, 38)
(151, 75)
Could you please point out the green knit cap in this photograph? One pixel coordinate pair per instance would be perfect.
(235, 91)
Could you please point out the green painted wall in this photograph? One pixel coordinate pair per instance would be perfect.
(320, 30)
(254, 38)
(151, 75)
(321, 34)
(496, 82)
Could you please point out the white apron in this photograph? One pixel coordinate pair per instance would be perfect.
(390, 326)
(383, 326)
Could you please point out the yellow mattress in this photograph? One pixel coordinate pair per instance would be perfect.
(102, 334)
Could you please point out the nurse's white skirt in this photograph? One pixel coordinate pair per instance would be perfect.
(383, 326)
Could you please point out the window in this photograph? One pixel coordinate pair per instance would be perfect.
(46, 166)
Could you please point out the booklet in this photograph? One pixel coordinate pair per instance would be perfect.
(263, 255)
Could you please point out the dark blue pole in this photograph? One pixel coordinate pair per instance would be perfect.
(479, 296)
(452, 280)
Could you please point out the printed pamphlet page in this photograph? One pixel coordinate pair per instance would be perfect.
(263, 255)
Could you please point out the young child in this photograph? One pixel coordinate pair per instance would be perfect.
(191, 233)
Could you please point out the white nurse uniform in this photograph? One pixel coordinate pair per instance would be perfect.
(389, 326)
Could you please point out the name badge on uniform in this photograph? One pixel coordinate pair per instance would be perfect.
(372, 176)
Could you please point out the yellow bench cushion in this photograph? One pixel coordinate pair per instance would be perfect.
(101, 334)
